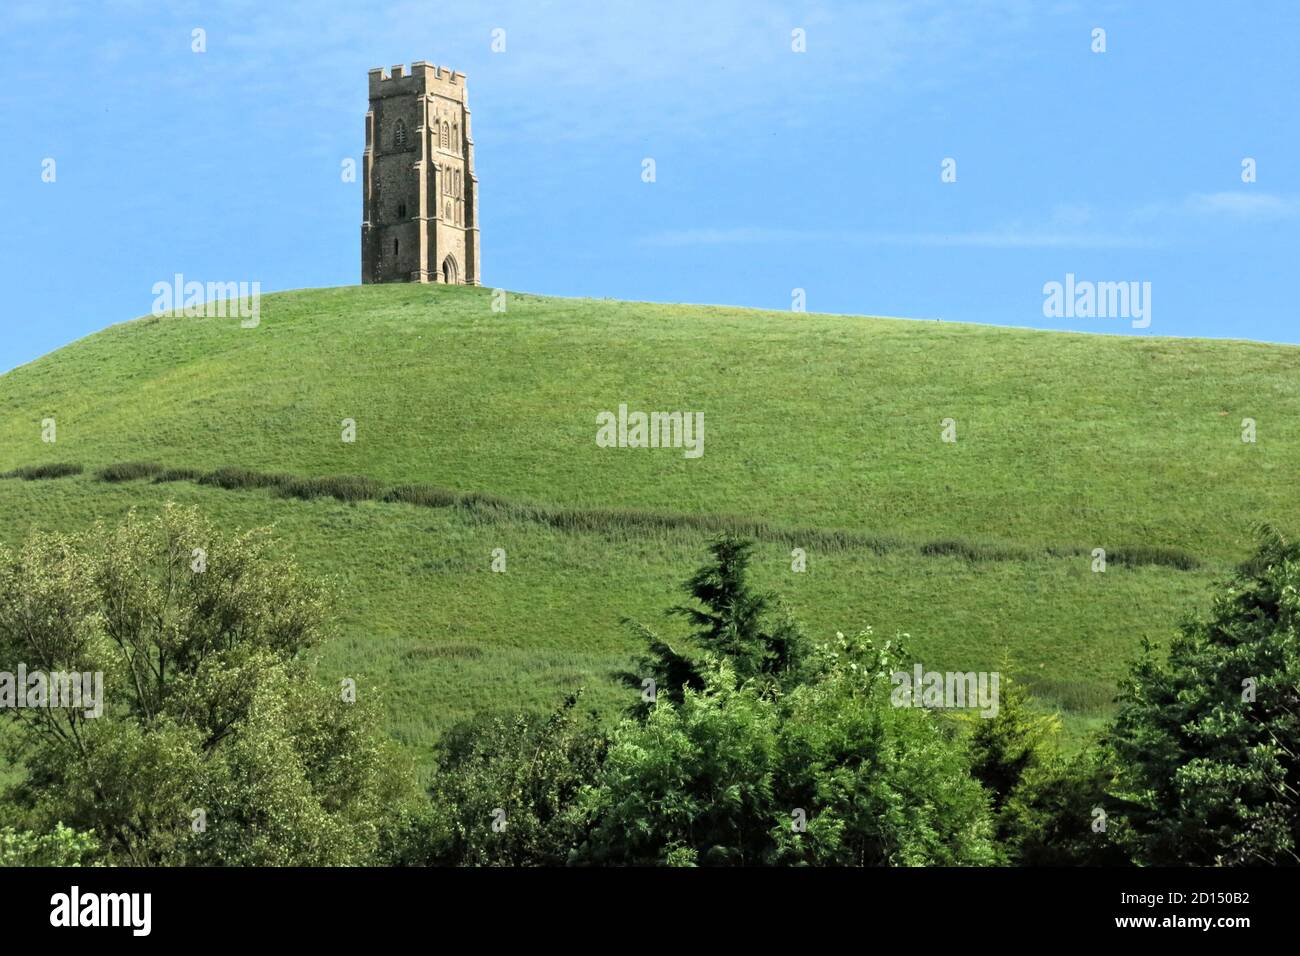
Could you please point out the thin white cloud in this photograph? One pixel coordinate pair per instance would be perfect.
(1148, 226)
(1245, 205)
(989, 239)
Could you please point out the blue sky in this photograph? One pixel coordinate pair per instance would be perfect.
(775, 170)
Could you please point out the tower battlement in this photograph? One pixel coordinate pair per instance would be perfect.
(420, 205)
(420, 77)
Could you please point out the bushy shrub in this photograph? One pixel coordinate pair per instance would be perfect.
(755, 751)
(1049, 808)
(1006, 745)
(62, 846)
(879, 784)
(1061, 813)
(693, 783)
(830, 774)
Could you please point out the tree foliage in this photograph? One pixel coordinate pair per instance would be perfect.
(691, 784)
(730, 620)
(828, 774)
(214, 745)
(62, 846)
(506, 789)
(1207, 742)
(1061, 813)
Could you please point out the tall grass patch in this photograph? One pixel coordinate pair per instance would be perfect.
(129, 471)
(234, 479)
(342, 487)
(41, 472)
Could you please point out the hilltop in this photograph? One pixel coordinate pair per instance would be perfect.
(819, 429)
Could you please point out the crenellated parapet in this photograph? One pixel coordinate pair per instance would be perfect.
(420, 78)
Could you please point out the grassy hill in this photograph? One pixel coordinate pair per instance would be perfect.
(821, 432)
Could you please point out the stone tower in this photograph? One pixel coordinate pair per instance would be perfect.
(420, 212)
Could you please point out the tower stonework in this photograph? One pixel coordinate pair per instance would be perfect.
(420, 208)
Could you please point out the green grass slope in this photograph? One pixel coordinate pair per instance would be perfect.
(813, 424)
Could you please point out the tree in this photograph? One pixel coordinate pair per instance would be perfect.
(877, 785)
(752, 751)
(1061, 813)
(730, 620)
(1005, 746)
(691, 783)
(1207, 743)
(214, 745)
(62, 846)
(506, 790)
(829, 773)
(662, 669)
(1050, 808)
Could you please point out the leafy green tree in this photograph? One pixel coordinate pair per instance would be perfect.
(829, 773)
(729, 621)
(1050, 808)
(692, 783)
(506, 790)
(62, 846)
(1207, 742)
(875, 784)
(214, 745)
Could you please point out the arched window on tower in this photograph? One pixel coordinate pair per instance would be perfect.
(399, 135)
(446, 135)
